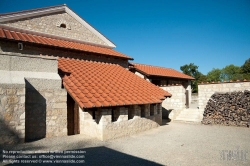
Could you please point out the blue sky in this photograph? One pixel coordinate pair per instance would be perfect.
(168, 33)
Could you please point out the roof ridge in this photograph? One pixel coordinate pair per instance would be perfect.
(90, 61)
(31, 10)
(160, 71)
(154, 66)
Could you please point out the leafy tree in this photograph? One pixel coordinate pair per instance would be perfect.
(231, 72)
(202, 78)
(214, 75)
(192, 70)
(245, 69)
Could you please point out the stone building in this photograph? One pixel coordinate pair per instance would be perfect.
(59, 76)
(173, 81)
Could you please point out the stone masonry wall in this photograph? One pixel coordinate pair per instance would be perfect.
(103, 128)
(177, 101)
(46, 112)
(12, 113)
(50, 24)
(128, 127)
(9, 47)
(207, 90)
(33, 104)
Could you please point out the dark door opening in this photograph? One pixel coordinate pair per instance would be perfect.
(72, 116)
(187, 98)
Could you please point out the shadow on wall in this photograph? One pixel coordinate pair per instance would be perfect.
(165, 113)
(90, 156)
(35, 114)
(8, 135)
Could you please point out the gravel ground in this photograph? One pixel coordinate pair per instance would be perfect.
(174, 144)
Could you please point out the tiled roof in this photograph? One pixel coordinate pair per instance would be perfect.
(31, 38)
(160, 71)
(97, 84)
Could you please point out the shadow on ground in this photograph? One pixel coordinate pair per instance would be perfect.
(89, 156)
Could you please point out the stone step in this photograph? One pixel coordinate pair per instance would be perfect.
(189, 115)
(188, 121)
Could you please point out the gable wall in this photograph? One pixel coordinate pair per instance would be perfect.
(48, 24)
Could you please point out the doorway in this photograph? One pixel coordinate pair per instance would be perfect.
(73, 119)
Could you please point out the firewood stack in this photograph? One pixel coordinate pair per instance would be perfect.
(228, 109)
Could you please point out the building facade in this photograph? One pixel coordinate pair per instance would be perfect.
(173, 81)
(60, 76)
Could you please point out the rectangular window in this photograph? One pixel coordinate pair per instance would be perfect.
(152, 106)
(131, 112)
(142, 111)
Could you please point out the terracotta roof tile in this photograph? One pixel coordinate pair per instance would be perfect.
(100, 89)
(20, 36)
(160, 71)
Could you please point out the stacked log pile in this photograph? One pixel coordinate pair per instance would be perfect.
(228, 109)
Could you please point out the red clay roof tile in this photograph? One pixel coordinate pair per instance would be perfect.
(120, 88)
(160, 71)
(20, 36)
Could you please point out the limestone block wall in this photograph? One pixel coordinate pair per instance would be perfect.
(207, 90)
(12, 113)
(33, 104)
(50, 24)
(103, 128)
(132, 126)
(46, 111)
(88, 125)
(177, 101)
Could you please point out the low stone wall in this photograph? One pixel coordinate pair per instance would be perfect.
(207, 90)
(103, 128)
(12, 113)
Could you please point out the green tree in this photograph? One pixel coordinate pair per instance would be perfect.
(202, 78)
(231, 72)
(192, 70)
(245, 69)
(214, 75)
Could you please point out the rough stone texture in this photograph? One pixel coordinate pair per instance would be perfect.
(177, 100)
(46, 112)
(123, 114)
(10, 48)
(228, 109)
(125, 128)
(88, 125)
(12, 113)
(49, 24)
(33, 105)
(103, 128)
(207, 90)
(157, 113)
